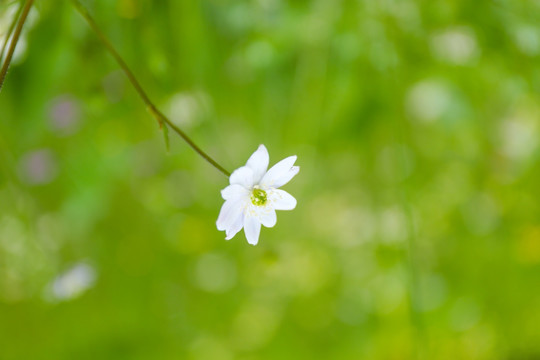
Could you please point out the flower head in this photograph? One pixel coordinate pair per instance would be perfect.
(253, 196)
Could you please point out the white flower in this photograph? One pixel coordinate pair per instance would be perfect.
(253, 197)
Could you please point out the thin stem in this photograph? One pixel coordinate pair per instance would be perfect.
(415, 290)
(156, 113)
(10, 31)
(14, 41)
(412, 259)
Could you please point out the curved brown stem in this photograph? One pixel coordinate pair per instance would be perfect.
(156, 113)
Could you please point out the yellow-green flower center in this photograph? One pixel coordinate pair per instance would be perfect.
(258, 197)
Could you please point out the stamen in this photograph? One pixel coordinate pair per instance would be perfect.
(258, 197)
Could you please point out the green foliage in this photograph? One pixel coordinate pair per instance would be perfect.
(417, 232)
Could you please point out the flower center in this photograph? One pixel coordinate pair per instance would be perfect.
(258, 197)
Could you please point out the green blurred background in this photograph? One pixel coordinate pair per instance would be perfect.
(417, 230)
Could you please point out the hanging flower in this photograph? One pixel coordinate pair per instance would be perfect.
(253, 195)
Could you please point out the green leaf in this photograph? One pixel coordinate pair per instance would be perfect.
(166, 136)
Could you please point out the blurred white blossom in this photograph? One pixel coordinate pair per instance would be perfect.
(455, 45)
(519, 137)
(527, 39)
(189, 108)
(73, 283)
(428, 100)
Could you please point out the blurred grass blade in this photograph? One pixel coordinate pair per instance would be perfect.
(20, 23)
(10, 31)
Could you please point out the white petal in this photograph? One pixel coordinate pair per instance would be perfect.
(282, 200)
(287, 177)
(278, 171)
(252, 228)
(236, 226)
(268, 217)
(258, 162)
(229, 213)
(234, 191)
(242, 176)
